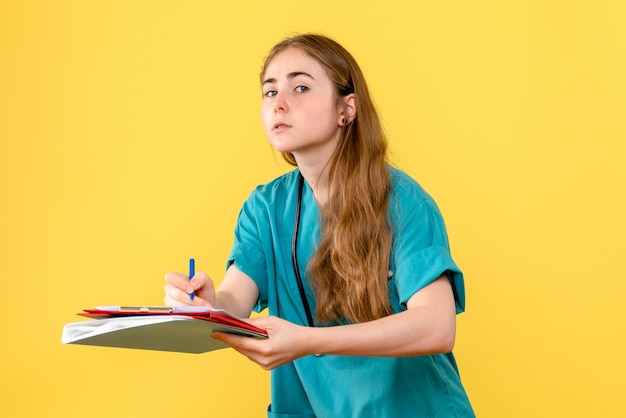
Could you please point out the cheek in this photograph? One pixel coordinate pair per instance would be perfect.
(265, 118)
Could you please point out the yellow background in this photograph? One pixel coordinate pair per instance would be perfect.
(130, 136)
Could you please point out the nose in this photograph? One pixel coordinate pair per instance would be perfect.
(280, 105)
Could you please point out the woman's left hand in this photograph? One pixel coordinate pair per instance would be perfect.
(286, 342)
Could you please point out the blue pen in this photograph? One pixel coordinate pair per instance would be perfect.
(192, 272)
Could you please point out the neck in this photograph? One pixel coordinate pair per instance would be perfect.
(316, 175)
(314, 163)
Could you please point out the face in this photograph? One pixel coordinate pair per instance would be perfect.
(300, 110)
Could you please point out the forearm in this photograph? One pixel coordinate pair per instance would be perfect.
(417, 331)
(232, 303)
(237, 293)
(428, 326)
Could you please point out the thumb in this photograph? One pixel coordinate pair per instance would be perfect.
(263, 322)
(201, 281)
(202, 284)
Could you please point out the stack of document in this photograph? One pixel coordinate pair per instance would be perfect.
(162, 328)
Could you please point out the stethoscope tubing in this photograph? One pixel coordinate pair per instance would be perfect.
(294, 253)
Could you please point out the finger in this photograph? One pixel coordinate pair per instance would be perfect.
(224, 337)
(264, 322)
(201, 280)
(179, 281)
(255, 350)
(171, 298)
(238, 342)
(203, 287)
(175, 296)
(267, 323)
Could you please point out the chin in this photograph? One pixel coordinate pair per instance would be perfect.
(281, 146)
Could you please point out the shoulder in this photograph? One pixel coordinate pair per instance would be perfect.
(411, 204)
(277, 189)
(268, 202)
(406, 190)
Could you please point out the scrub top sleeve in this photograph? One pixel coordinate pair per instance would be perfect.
(247, 252)
(421, 253)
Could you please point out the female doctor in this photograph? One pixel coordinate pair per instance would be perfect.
(349, 255)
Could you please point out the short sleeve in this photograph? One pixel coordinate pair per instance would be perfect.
(420, 252)
(247, 253)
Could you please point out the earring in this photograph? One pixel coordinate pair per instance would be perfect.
(344, 121)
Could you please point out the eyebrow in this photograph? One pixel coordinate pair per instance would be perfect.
(290, 76)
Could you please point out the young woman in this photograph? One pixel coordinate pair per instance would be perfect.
(349, 255)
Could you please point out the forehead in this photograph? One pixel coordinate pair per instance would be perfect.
(293, 60)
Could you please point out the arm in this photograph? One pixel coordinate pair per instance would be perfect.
(237, 293)
(428, 326)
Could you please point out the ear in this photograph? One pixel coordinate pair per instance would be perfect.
(347, 113)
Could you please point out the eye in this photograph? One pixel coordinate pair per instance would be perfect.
(270, 93)
(302, 89)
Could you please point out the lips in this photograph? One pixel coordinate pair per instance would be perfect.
(279, 126)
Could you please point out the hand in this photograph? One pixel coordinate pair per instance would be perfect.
(286, 342)
(178, 287)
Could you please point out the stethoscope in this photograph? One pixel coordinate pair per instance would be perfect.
(294, 258)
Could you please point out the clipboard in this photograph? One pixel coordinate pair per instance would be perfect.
(161, 328)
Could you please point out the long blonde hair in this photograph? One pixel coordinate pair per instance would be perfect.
(349, 270)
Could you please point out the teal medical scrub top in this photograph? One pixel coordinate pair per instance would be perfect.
(346, 386)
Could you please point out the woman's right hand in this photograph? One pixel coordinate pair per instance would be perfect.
(178, 288)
